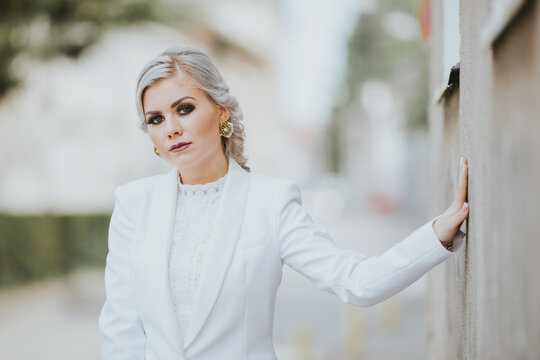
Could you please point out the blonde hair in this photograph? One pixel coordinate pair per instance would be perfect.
(203, 73)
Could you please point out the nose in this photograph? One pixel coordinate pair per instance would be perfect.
(173, 127)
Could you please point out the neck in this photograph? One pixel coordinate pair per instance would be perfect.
(204, 173)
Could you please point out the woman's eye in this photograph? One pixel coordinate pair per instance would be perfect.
(154, 120)
(185, 109)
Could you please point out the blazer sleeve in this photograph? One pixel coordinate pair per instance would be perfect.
(121, 332)
(355, 278)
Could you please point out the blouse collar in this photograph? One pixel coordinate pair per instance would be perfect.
(202, 189)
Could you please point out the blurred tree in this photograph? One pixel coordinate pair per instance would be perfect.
(47, 28)
(377, 50)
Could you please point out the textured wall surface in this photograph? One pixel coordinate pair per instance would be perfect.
(484, 303)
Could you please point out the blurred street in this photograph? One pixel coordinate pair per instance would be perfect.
(53, 319)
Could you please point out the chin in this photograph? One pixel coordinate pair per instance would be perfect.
(184, 163)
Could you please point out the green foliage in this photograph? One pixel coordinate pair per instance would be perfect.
(38, 246)
(375, 54)
(47, 28)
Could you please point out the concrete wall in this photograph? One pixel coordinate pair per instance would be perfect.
(485, 302)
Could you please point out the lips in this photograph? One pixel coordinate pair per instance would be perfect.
(176, 146)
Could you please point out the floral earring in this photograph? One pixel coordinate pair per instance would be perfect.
(226, 128)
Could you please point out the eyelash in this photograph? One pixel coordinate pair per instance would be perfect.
(188, 108)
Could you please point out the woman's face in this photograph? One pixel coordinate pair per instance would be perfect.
(177, 112)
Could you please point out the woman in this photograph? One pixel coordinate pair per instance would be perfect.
(196, 254)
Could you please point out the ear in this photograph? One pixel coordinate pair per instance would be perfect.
(225, 114)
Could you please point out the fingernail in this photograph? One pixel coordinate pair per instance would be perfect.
(461, 161)
(465, 205)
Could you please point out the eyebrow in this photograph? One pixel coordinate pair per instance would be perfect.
(173, 105)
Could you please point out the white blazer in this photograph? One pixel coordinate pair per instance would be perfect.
(260, 226)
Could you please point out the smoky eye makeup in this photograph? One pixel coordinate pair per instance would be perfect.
(182, 110)
(185, 109)
(154, 120)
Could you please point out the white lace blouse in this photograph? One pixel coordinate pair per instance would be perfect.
(196, 209)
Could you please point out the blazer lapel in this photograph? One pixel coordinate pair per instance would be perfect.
(156, 250)
(223, 240)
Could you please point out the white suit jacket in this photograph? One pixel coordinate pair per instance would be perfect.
(260, 226)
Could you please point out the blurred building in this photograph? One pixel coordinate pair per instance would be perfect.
(485, 302)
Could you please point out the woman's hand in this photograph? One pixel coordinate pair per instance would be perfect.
(448, 224)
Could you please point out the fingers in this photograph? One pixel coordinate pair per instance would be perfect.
(461, 215)
(459, 210)
(461, 194)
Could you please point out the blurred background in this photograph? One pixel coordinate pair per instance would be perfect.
(334, 96)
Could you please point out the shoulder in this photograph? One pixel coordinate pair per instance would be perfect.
(135, 190)
(133, 197)
(275, 186)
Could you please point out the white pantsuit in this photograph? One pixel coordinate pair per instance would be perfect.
(260, 225)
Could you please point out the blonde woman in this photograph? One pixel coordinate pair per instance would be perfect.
(196, 254)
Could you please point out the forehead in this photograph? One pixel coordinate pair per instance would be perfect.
(166, 91)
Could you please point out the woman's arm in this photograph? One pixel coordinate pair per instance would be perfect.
(355, 278)
(120, 330)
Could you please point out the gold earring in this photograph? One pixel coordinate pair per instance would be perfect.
(156, 152)
(226, 129)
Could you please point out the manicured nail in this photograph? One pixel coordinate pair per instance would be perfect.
(465, 205)
(461, 160)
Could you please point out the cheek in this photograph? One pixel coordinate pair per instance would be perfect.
(153, 135)
(158, 138)
(206, 128)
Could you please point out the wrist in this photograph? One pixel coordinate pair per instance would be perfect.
(449, 245)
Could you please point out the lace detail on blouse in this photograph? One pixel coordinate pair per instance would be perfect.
(196, 210)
